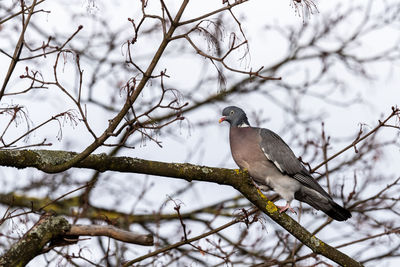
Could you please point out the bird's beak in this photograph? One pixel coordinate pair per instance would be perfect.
(222, 119)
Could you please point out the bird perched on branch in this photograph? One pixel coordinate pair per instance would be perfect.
(272, 165)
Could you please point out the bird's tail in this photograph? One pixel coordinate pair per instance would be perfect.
(326, 204)
(336, 211)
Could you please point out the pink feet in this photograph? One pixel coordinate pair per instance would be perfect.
(284, 208)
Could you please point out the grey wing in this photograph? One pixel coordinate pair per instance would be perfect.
(277, 151)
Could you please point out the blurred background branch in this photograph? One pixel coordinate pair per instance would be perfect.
(148, 80)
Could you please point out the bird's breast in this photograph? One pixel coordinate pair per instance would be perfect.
(247, 153)
(245, 146)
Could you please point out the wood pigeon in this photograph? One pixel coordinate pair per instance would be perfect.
(272, 165)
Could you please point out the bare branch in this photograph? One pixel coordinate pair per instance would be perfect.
(111, 231)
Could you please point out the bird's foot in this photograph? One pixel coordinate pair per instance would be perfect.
(287, 207)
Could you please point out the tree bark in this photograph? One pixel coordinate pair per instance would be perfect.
(113, 232)
(32, 243)
(240, 180)
(56, 231)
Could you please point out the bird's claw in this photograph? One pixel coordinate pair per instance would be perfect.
(287, 207)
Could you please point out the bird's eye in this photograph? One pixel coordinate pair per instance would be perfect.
(232, 112)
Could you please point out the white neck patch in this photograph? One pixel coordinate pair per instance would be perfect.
(243, 125)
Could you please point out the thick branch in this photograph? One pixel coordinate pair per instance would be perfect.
(32, 243)
(66, 207)
(113, 232)
(54, 229)
(41, 159)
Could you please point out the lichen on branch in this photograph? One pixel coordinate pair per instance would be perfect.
(240, 180)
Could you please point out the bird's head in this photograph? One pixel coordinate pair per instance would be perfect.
(235, 116)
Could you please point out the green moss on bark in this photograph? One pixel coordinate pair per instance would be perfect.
(31, 244)
(240, 180)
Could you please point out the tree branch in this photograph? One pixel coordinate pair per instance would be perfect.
(240, 180)
(187, 241)
(128, 104)
(32, 243)
(66, 207)
(56, 231)
(18, 49)
(111, 231)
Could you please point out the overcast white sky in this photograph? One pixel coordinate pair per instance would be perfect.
(265, 48)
